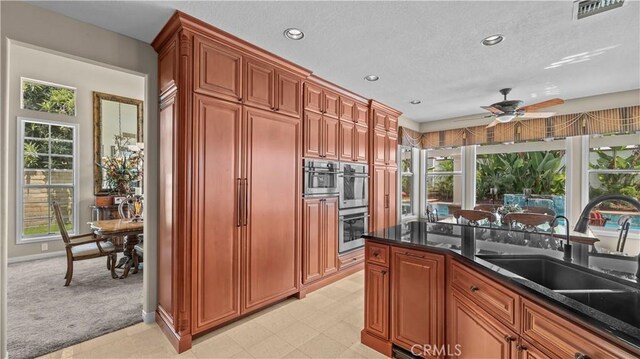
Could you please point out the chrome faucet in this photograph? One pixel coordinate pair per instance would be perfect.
(583, 221)
(567, 244)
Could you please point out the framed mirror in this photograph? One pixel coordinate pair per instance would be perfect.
(117, 122)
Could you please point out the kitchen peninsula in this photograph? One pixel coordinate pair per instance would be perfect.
(434, 289)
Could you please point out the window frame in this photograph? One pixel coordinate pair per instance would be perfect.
(20, 239)
(52, 84)
(424, 175)
(415, 190)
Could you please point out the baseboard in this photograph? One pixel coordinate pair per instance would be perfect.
(179, 342)
(343, 273)
(381, 346)
(33, 257)
(149, 318)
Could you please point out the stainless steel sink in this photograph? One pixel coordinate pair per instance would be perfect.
(598, 292)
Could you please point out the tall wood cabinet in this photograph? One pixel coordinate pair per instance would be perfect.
(230, 151)
(319, 238)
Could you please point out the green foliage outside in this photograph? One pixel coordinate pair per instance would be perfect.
(618, 158)
(441, 187)
(542, 171)
(46, 98)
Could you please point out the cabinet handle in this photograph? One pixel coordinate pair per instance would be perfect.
(246, 201)
(383, 272)
(239, 223)
(240, 99)
(521, 348)
(414, 255)
(508, 338)
(376, 254)
(581, 356)
(474, 289)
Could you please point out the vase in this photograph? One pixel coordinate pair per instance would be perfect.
(123, 188)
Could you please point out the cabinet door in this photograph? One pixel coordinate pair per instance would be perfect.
(288, 99)
(313, 134)
(217, 70)
(391, 184)
(391, 148)
(379, 120)
(528, 351)
(417, 298)
(331, 104)
(376, 304)
(361, 114)
(392, 123)
(347, 109)
(378, 200)
(475, 334)
(331, 127)
(216, 224)
(347, 137)
(313, 98)
(272, 240)
(259, 85)
(312, 242)
(361, 146)
(379, 148)
(330, 226)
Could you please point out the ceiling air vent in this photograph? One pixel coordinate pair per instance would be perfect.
(592, 7)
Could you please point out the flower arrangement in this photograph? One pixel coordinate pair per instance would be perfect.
(122, 169)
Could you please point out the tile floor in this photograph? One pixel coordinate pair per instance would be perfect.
(325, 324)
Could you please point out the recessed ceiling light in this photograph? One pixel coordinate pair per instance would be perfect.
(492, 40)
(293, 34)
(415, 102)
(371, 78)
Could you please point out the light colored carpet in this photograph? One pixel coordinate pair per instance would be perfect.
(45, 316)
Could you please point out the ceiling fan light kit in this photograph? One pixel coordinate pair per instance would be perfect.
(506, 110)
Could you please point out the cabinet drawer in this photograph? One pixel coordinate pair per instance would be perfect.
(491, 296)
(351, 258)
(377, 254)
(563, 339)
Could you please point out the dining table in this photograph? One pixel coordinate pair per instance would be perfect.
(120, 228)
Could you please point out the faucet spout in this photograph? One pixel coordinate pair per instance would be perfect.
(583, 221)
(567, 248)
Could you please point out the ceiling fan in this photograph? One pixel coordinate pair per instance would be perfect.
(506, 110)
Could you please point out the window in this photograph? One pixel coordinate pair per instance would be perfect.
(523, 174)
(47, 97)
(47, 172)
(409, 164)
(443, 181)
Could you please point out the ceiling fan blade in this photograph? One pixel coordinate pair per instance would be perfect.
(492, 109)
(536, 114)
(543, 104)
(495, 122)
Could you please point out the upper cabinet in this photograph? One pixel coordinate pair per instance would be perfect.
(347, 109)
(288, 94)
(217, 70)
(331, 103)
(321, 100)
(361, 114)
(259, 91)
(383, 120)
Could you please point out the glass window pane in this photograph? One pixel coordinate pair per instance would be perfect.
(62, 132)
(36, 161)
(61, 148)
(37, 130)
(61, 163)
(62, 177)
(64, 197)
(440, 194)
(36, 177)
(626, 184)
(407, 195)
(34, 147)
(35, 215)
(48, 98)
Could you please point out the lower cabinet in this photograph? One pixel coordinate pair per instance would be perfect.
(473, 333)
(528, 351)
(320, 238)
(417, 300)
(376, 320)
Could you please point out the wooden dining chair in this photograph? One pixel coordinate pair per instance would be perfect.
(474, 216)
(84, 246)
(486, 207)
(529, 221)
(540, 210)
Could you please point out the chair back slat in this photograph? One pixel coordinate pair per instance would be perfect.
(61, 226)
(474, 216)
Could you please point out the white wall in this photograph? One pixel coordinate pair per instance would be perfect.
(584, 104)
(33, 25)
(407, 123)
(86, 78)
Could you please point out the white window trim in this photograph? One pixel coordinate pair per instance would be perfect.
(75, 97)
(423, 177)
(415, 191)
(20, 186)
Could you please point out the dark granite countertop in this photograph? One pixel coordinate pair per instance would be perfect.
(469, 244)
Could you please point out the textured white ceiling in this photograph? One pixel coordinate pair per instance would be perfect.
(429, 51)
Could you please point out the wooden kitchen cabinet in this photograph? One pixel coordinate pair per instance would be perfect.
(260, 78)
(384, 121)
(330, 138)
(321, 100)
(347, 140)
(347, 109)
(321, 136)
(288, 94)
(376, 320)
(417, 298)
(331, 104)
(391, 148)
(217, 69)
(475, 333)
(320, 238)
(527, 350)
(383, 197)
(361, 114)
(391, 184)
(385, 146)
(361, 144)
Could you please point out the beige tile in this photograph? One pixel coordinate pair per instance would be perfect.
(334, 292)
(356, 318)
(320, 321)
(319, 300)
(272, 347)
(297, 334)
(348, 285)
(141, 327)
(366, 352)
(249, 334)
(242, 355)
(344, 333)
(276, 320)
(322, 346)
(296, 354)
(99, 341)
(220, 346)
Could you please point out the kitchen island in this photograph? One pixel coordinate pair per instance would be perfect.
(438, 290)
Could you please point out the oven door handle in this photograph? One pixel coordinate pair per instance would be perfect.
(342, 218)
(324, 172)
(354, 176)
